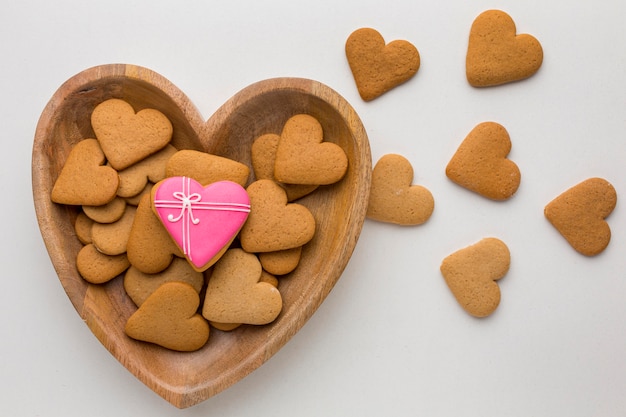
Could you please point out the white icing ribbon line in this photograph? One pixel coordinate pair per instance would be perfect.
(189, 202)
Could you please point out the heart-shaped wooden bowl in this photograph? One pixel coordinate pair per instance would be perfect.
(185, 379)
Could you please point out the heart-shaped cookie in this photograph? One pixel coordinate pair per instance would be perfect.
(480, 163)
(303, 157)
(84, 180)
(258, 109)
(169, 318)
(150, 248)
(496, 54)
(263, 155)
(116, 125)
(579, 215)
(471, 274)
(378, 67)
(235, 294)
(203, 221)
(393, 199)
(274, 224)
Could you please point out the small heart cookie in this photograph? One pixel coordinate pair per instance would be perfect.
(127, 137)
(84, 179)
(496, 54)
(376, 67)
(97, 268)
(236, 295)
(579, 215)
(169, 318)
(203, 221)
(471, 274)
(263, 155)
(303, 157)
(392, 197)
(480, 163)
(281, 262)
(106, 213)
(274, 224)
(112, 238)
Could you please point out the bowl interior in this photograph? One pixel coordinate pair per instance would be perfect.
(184, 379)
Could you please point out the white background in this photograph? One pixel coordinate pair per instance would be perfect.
(390, 339)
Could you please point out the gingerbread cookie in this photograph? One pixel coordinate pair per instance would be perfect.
(169, 318)
(273, 223)
(303, 157)
(496, 54)
(206, 168)
(140, 286)
(106, 213)
(84, 179)
(393, 199)
(150, 248)
(579, 215)
(471, 274)
(480, 163)
(263, 154)
(135, 178)
(127, 137)
(97, 268)
(236, 295)
(377, 67)
(112, 238)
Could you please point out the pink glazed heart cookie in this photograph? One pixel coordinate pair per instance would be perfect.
(203, 221)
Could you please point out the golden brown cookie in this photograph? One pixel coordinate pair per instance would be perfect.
(107, 213)
(82, 226)
(377, 67)
(579, 215)
(393, 199)
(281, 262)
(273, 223)
(97, 268)
(206, 168)
(236, 295)
(303, 157)
(150, 248)
(135, 178)
(263, 161)
(168, 318)
(480, 163)
(84, 179)
(496, 54)
(140, 286)
(127, 137)
(471, 274)
(112, 238)
(227, 327)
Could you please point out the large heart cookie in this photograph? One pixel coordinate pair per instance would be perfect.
(303, 157)
(471, 274)
(235, 293)
(169, 318)
(274, 224)
(203, 221)
(496, 54)
(116, 125)
(579, 215)
(378, 67)
(393, 199)
(84, 179)
(258, 109)
(480, 164)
